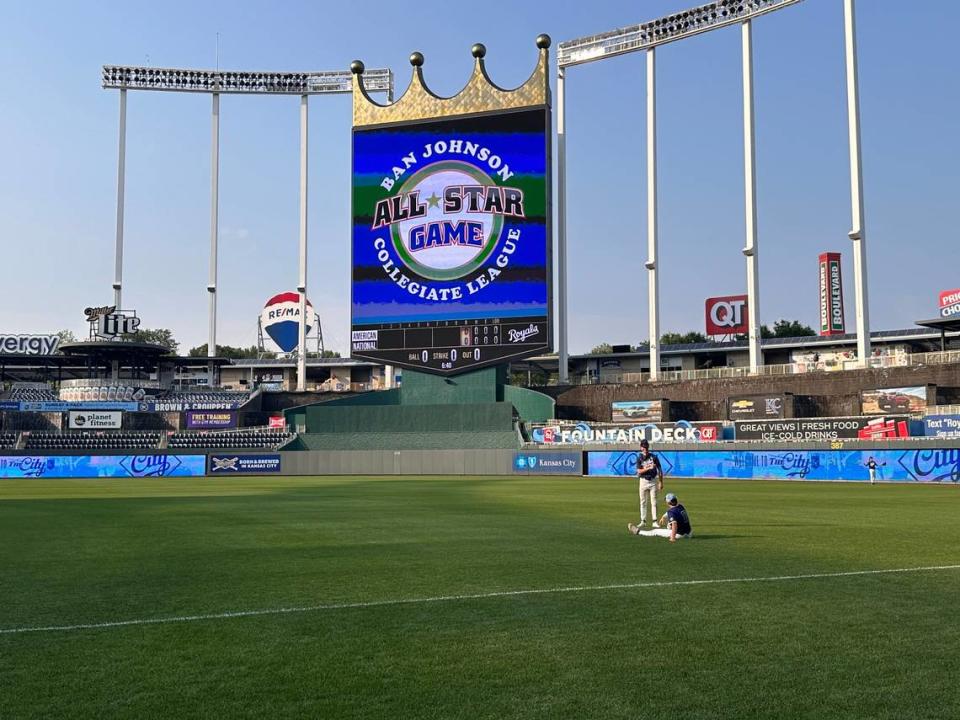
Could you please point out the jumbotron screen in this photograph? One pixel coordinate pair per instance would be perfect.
(451, 241)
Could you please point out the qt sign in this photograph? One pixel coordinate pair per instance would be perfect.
(727, 315)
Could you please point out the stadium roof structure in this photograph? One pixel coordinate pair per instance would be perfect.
(311, 362)
(792, 343)
(943, 325)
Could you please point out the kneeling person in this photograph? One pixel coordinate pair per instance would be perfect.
(676, 519)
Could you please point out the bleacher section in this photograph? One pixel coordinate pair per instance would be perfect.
(204, 397)
(8, 440)
(91, 441)
(244, 439)
(33, 395)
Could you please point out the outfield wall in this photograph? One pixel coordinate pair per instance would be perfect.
(900, 461)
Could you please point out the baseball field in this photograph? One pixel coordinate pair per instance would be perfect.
(476, 598)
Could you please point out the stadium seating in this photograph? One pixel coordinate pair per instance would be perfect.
(33, 395)
(92, 441)
(239, 398)
(8, 440)
(244, 439)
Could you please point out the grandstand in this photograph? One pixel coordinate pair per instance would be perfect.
(244, 439)
(92, 440)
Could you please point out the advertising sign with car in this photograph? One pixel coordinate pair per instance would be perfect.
(893, 400)
(633, 411)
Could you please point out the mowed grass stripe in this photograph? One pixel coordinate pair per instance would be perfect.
(231, 614)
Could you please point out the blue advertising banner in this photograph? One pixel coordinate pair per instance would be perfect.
(65, 406)
(928, 465)
(942, 426)
(87, 466)
(548, 463)
(229, 464)
(211, 419)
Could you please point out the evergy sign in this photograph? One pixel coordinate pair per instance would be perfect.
(29, 344)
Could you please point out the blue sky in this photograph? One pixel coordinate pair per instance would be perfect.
(58, 148)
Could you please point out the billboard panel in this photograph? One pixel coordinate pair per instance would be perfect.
(756, 407)
(930, 465)
(941, 426)
(234, 464)
(210, 419)
(548, 463)
(583, 433)
(91, 466)
(727, 315)
(633, 411)
(451, 241)
(831, 295)
(813, 429)
(893, 400)
(94, 420)
(950, 303)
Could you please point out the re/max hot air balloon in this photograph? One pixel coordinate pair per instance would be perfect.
(280, 319)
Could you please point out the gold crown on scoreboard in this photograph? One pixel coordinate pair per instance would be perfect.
(479, 95)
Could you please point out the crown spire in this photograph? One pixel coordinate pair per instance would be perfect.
(479, 95)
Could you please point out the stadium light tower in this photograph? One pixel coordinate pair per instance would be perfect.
(857, 233)
(215, 83)
(646, 37)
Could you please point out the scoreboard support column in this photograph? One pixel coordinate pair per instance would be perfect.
(562, 231)
(302, 282)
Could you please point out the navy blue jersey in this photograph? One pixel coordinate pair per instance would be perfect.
(678, 514)
(648, 467)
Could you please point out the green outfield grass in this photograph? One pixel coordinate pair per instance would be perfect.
(856, 646)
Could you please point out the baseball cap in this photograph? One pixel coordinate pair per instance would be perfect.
(671, 498)
(644, 444)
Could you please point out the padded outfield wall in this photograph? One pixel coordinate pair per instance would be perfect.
(911, 461)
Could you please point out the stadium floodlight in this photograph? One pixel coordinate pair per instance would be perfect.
(119, 77)
(646, 37)
(664, 30)
(215, 83)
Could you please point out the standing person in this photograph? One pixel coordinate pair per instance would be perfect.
(872, 469)
(676, 519)
(650, 476)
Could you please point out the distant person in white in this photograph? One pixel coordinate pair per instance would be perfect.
(650, 476)
(676, 519)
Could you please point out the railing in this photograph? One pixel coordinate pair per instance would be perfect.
(882, 361)
(942, 410)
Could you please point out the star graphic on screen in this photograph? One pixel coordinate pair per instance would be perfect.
(433, 201)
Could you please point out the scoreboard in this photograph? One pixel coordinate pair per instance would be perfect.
(451, 241)
(448, 346)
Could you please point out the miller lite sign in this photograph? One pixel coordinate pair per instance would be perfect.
(831, 295)
(107, 322)
(727, 315)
